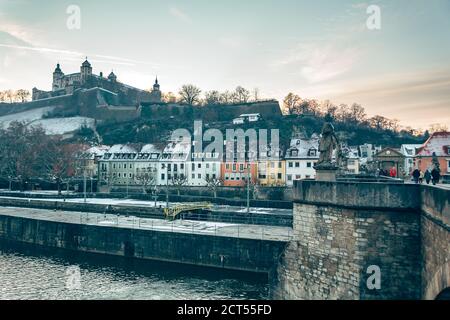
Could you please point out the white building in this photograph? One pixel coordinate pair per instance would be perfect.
(247, 117)
(367, 151)
(409, 151)
(301, 157)
(125, 164)
(352, 160)
(174, 162)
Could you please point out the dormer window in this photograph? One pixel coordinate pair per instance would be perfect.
(294, 153)
(312, 152)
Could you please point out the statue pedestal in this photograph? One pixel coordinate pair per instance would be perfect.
(326, 172)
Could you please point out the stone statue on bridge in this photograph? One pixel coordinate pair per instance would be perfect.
(328, 142)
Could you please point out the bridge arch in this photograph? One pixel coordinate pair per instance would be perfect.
(439, 286)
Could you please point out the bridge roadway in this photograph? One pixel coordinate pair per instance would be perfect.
(220, 229)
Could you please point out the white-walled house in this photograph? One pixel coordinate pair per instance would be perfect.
(409, 151)
(124, 164)
(173, 164)
(300, 158)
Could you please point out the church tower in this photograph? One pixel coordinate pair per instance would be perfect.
(156, 92)
(85, 70)
(58, 76)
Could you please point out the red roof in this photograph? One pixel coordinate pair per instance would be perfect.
(438, 142)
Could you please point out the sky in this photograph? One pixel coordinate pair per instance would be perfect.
(317, 49)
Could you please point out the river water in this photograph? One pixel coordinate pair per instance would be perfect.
(29, 272)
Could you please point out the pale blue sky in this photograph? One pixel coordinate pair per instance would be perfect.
(318, 49)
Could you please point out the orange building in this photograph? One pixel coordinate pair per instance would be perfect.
(439, 144)
(234, 174)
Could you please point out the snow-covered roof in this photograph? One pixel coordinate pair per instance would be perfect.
(409, 150)
(438, 142)
(250, 115)
(300, 148)
(122, 148)
(150, 148)
(177, 150)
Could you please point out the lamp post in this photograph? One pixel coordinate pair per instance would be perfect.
(84, 185)
(248, 187)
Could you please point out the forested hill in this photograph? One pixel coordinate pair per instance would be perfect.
(158, 130)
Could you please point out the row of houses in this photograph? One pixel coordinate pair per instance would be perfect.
(176, 163)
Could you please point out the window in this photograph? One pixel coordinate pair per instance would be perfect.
(298, 176)
(227, 166)
(290, 164)
(131, 166)
(131, 176)
(307, 176)
(280, 176)
(119, 175)
(294, 153)
(297, 164)
(169, 176)
(272, 165)
(207, 176)
(214, 167)
(169, 167)
(214, 176)
(114, 166)
(272, 176)
(182, 166)
(308, 164)
(124, 165)
(280, 165)
(241, 167)
(199, 166)
(199, 176)
(193, 166)
(175, 167)
(227, 177)
(207, 166)
(193, 176)
(120, 166)
(289, 177)
(234, 167)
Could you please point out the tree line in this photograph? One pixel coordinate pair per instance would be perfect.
(193, 95)
(353, 115)
(11, 96)
(27, 153)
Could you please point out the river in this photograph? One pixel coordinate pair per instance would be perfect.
(29, 272)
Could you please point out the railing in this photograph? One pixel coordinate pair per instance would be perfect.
(241, 231)
(173, 212)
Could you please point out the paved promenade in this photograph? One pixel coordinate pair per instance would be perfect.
(244, 231)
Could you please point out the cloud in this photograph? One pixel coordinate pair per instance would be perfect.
(180, 14)
(319, 62)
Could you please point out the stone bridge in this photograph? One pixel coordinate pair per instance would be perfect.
(347, 236)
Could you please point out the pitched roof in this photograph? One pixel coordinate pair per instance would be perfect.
(438, 142)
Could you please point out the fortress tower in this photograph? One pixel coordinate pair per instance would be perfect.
(85, 70)
(58, 76)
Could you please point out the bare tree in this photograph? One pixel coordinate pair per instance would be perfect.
(2, 96)
(226, 97)
(438, 127)
(23, 95)
(255, 94)
(213, 184)
(60, 161)
(178, 182)
(146, 177)
(291, 104)
(212, 97)
(241, 95)
(169, 97)
(10, 95)
(378, 122)
(190, 94)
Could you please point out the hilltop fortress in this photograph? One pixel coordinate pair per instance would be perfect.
(85, 79)
(85, 94)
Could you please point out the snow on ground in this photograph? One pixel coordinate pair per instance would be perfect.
(64, 125)
(26, 116)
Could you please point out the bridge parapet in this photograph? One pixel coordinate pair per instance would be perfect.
(356, 240)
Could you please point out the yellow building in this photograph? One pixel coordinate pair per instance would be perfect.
(272, 173)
